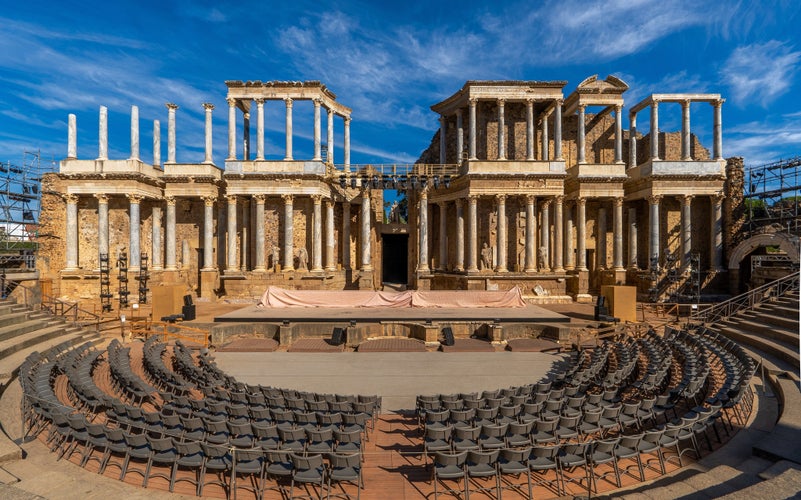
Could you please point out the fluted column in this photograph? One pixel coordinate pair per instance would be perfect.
(632, 139)
(169, 235)
(600, 251)
(134, 133)
(529, 129)
(558, 237)
(459, 136)
(443, 236)
(207, 106)
(686, 230)
(232, 267)
(472, 129)
(171, 108)
(531, 231)
(261, 260)
(244, 240)
(346, 234)
(317, 131)
(72, 232)
(545, 233)
(459, 235)
(472, 246)
(231, 128)
(288, 128)
(655, 130)
(330, 130)
(208, 233)
(569, 254)
(686, 153)
(422, 265)
(346, 153)
(102, 224)
(633, 257)
(501, 131)
(617, 234)
(557, 131)
(544, 142)
(155, 239)
(443, 140)
(317, 233)
(367, 264)
(330, 256)
(134, 260)
(619, 133)
(156, 143)
(289, 233)
(582, 148)
(653, 230)
(102, 147)
(716, 236)
(259, 128)
(72, 137)
(717, 132)
(581, 234)
(500, 266)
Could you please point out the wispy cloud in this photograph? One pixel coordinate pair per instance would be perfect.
(760, 72)
(764, 141)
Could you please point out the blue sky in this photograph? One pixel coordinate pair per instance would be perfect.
(388, 61)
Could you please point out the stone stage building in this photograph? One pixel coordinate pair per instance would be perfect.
(520, 186)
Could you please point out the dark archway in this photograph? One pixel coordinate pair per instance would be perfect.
(395, 258)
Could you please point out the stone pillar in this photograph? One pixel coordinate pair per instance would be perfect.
(443, 236)
(459, 136)
(346, 234)
(422, 265)
(582, 148)
(156, 143)
(102, 225)
(330, 130)
(472, 130)
(686, 154)
(289, 233)
(231, 265)
(246, 134)
(208, 157)
(72, 137)
(288, 128)
(531, 231)
(655, 130)
(529, 129)
(102, 149)
(231, 128)
(686, 231)
(545, 232)
(633, 265)
(317, 233)
(500, 265)
(459, 235)
(317, 131)
(501, 131)
(367, 264)
(717, 148)
(330, 256)
(653, 230)
(544, 146)
(472, 245)
(632, 140)
(155, 239)
(244, 240)
(171, 132)
(619, 133)
(581, 234)
(208, 233)
(558, 236)
(617, 234)
(570, 256)
(557, 131)
(134, 133)
(169, 235)
(346, 153)
(716, 236)
(72, 232)
(259, 128)
(443, 140)
(601, 260)
(134, 260)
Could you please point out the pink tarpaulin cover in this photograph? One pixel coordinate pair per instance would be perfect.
(279, 297)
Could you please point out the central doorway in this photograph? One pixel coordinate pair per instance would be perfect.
(395, 258)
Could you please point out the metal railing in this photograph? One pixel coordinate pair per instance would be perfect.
(70, 311)
(747, 300)
(172, 331)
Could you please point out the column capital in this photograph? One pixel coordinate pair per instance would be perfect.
(208, 106)
(458, 112)
(232, 199)
(317, 102)
(134, 198)
(443, 205)
(366, 193)
(259, 101)
(259, 198)
(442, 119)
(655, 103)
(473, 101)
(287, 198)
(547, 202)
(500, 198)
(581, 201)
(581, 107)
(559, 102)
(70, 198)
(717, 103)
(171, 106)
(685, 103)
(458, 202)
(170, 200)
(686, 199)
(654, 199)
(317, 199)
(559, 199)
(618, 108)
(531, 199)
(288, 102)
(329, 202)
(501, 101)
(347, 120)
(102, 198)
(424, 194)
(717, 197)
(618, 202)
(529, 102)
(473, 198)
(231, 101)
(209, 201)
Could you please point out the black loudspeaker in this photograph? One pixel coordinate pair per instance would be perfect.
(447, 333)
(188, 312)
(187, 300)
(338, 336)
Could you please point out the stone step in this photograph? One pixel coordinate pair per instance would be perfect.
(783, 485)
(14, 317)
(10, 307)
(773, 315)
(759, 326)
(34, 337)
(10, 364)
(759, 341)
(11, 331)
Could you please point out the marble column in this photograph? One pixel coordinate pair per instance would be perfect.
(155, 240)
(717, 132)
(459, 234)
(633, 264)
(581, 146)
(544, 145)
(346, 234)
(72, 232)
(231, 128)
(246, 134)
(472, 245)
(231, 265)
(134, 133)
(330, 256)
(545, 233)
(617, 234)
(346, 153)
(156, 143)
(655, 130)
(244, 240)
(459, 136)
(501, 252)
(653, 230)
(288, 129)
(472, 129)
(367, 264)
(317, 233)
(422, 265)
(557, 131)
(601, 260)
(171, 108)
(207, 106)
(208, 233)
(531, 231)
(558, 236)
(261, 260)
(716, 236)
(443, 139)
(619, 133)
(529, 129)
(102, 225)
(632, 140)
(169, 235)
(289, 233)
(443, 236)
(686, 231)
(330, 130)
(317, 131)
(186, 254)
(102, 148)
(134, 255)
(72, 137)
(259, 128)
(581, 234)
(501, 131)
(570, 256)
(686, 154)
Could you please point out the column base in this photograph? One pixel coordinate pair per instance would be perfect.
(208, 283)
(260, 269)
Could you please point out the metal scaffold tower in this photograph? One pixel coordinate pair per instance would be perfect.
(773, 194)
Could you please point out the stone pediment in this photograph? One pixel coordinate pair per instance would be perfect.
(610, 85)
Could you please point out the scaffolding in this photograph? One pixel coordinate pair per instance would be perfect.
(773, 195)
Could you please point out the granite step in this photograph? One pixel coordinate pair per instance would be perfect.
(42, 334)
(759, 326)
(758, 340)
(9, 332)
(783, 484)
(773, 316)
